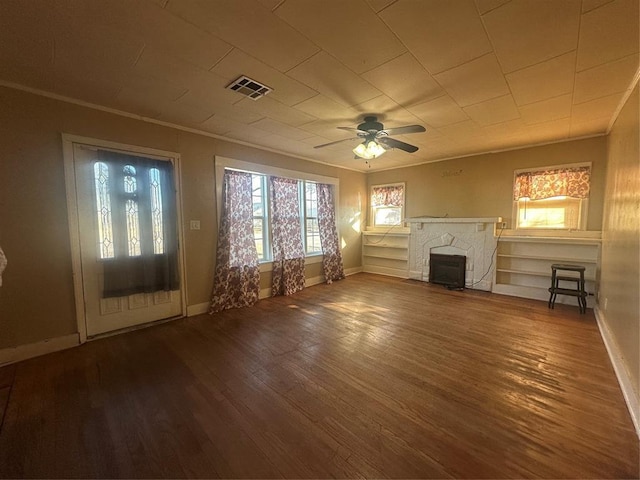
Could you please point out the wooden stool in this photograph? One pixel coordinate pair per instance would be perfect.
(579, 291)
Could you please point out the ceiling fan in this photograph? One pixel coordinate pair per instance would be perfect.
(376, 139)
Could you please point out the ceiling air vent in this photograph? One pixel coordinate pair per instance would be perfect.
(250, 88)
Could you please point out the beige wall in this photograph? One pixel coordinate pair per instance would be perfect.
(37, 299)
(620, 276)
(481, 185)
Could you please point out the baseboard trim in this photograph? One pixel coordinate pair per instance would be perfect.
(353, 271)
(31, 350)
(197, 309)
(630, 397)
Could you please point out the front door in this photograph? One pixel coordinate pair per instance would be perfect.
(122, 221)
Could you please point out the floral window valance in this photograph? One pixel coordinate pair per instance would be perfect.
(568, 181)
(388, 196)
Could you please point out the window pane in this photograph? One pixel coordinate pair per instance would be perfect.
(129, 179)
(311, 199)
(312, 236)
(156, 211)
(103, 204)
(387, 215)
(133, 228)
(258, 234)
(557, 212)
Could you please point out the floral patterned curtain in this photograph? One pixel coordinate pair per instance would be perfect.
(288, 251)
(570, 182)
(332, 260)
(390, 196)
(237, 276)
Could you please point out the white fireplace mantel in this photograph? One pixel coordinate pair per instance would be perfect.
(468, 236)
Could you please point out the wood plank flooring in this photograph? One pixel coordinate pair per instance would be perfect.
(368, 377)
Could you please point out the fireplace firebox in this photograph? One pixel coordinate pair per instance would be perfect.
(447, 270)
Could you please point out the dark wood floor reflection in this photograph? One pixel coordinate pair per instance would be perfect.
(367, 377)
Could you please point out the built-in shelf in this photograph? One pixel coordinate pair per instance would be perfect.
(554, 259)
(524, 264)
(386, 252)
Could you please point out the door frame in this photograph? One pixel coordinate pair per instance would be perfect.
(68, 142)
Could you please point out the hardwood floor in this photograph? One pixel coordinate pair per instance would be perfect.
(368, 377)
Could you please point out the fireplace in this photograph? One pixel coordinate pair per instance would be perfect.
(472, 238)
(447, 270)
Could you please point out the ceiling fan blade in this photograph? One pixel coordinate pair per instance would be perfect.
(403, 130)
(337, 141)
(353, 129)
(393, 143)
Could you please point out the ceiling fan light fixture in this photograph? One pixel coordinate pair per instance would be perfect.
(369, 150)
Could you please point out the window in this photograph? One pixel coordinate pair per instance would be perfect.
(308, 216)
(260, 227)
(121, 203)
(310, 227)
(552, 197)
(387, 205)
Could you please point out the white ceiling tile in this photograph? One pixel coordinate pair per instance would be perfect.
(98, 50)
(588, 5)
(285, 89)
(485, 6)
(220, 125)
(156, 64)
(592, 126)
(247, 133)
(155, 26)
(328, 130)
(546, 110)
(439, 112)
(248, 25)
(325, 108)
(387, 111)
(210, 90)
(271, 4)
(326, 75)
(404, 80)
(496, 110)
(605, 79)
(600, 107)
(475, 81)
(550, 131)
(441, 34)
(465, 129)
(525, 32)
(153, 89)
(26, 60)
(275, 110)
(510, 129)
(608, 33)
(278, 128)
(140, 102)
(349, 31)
(379, 5)
(183, 113)
(545, 80)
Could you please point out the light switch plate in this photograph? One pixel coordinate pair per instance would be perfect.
(194, 224)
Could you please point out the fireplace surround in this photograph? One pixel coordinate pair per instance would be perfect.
(472, 238)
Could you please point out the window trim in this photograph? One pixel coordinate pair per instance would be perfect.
(221, 163)
(584, 202)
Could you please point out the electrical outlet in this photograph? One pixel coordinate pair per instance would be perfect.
(503, 225)
(194, 224)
